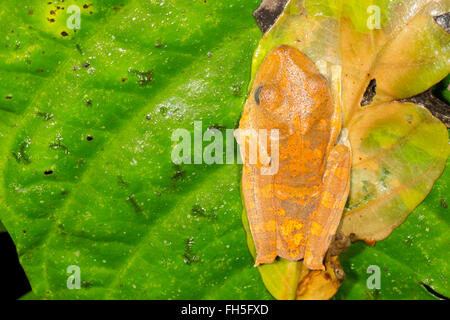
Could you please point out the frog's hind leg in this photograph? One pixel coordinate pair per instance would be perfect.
(325, 220)
(258, 193)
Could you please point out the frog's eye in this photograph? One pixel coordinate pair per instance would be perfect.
(270, 97)
(257, 94)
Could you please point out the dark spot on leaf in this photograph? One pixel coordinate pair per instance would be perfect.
(443, 203)
(124, 79)
(48, 172)
(148, 117)
(24, 231)
(370, 93)
(86, 64)
(200, 212)
(64, 34)
(257, 94)
(144, 77)
(188, 255)
(52, 12)
(46, 116)
(30, 12)
(58, 145)
(88, 102)
(80, 51)
(217, 127)
(158, 43)
(9, 97)
(122, 182)
(21, 155)
(89, 138)
(179, 173)
(134, 203)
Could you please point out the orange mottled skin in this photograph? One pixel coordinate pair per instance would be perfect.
(294, 214)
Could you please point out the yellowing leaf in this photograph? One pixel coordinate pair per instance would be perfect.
(399, 150)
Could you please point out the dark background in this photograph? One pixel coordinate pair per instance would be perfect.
(14, 283)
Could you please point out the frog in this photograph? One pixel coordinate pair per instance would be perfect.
(294, 213)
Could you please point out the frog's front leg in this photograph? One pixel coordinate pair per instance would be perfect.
(325, 220)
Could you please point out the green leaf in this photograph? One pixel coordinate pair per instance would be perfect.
(2, 227)
(86, 171)
(415, 254)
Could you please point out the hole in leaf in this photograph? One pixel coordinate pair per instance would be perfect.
(443, 21)
(370, 93)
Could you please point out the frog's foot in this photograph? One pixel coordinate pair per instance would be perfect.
(325, 220)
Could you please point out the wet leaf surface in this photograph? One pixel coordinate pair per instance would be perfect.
(86, 174)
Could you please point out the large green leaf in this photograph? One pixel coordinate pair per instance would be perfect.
(86, 170)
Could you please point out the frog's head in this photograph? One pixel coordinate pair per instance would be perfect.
(286, 79)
